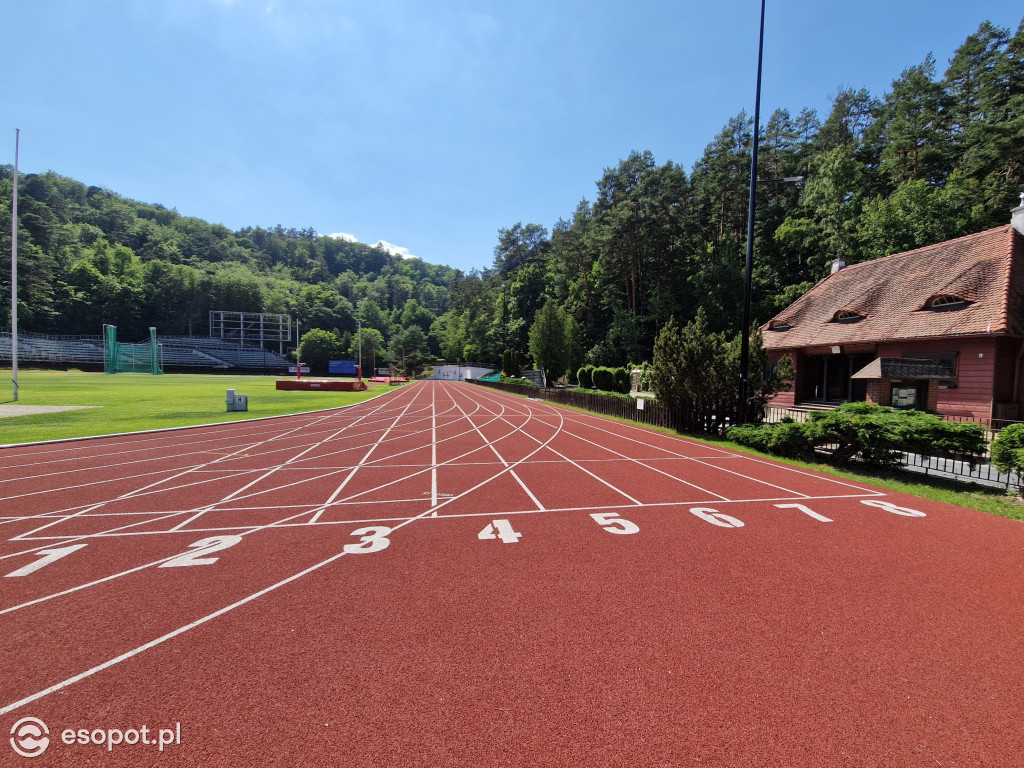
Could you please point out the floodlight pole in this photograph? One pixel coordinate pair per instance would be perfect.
(14, 269)
(359, 343)
(741, 415)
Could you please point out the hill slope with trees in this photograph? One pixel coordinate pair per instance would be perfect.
(934, 158)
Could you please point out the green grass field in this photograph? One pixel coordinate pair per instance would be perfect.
(129, 402)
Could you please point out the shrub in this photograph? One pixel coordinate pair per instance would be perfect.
(784, 439)
(620, 377)
(879, 434)
(1008, 451)
(585, 376)
(516, 380)
(604, 379)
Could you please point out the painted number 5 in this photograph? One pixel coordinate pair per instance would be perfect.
(612, 523)
(374, 539)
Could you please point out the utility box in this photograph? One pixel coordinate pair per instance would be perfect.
(236, 402)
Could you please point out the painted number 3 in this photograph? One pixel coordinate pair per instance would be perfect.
(373, 539)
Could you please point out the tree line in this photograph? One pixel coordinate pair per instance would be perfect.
(88, 256)
(935, 157)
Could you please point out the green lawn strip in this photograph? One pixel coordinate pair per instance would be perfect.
(135, 402)
(989, 500)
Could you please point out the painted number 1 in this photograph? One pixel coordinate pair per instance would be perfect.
(49, 556)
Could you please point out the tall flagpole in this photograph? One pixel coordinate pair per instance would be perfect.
(14, 270)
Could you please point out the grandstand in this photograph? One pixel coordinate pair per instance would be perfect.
(175, 352)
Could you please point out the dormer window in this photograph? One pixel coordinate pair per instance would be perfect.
(847, 316)
(945, 301)
(779, 325)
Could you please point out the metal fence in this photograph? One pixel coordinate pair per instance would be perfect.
(954, 468)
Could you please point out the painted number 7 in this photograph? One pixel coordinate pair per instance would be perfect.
(612, 523)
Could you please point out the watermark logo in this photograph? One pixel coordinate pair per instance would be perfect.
(30, 737)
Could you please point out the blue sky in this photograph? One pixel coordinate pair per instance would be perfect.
(428, 125)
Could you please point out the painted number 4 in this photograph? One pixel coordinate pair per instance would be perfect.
(500, 529)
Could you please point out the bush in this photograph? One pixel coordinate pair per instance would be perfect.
(784, 439)
(516, 380)
(622, 384)
(604, 379)
(1008, 450)
(585, 376)
(877, 435)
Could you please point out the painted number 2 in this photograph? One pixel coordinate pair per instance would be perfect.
(202, 547)
(500, 529)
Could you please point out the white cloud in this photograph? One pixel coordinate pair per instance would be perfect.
(344, 236)
(395, 250)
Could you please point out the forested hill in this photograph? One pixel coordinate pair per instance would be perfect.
(88, 256)
(941, 154)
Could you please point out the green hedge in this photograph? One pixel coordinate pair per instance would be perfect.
(1008, 450)
(621, 378)
(876, 435)
(585, 376)
(604, 379)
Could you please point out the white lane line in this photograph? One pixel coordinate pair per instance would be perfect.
(490, 513)
(501, 458)
(248, 530)
(643, 463)
(433, 445)
(600, 479)
(362, 462)
(209, 617)
(726, 453)
(273, 470)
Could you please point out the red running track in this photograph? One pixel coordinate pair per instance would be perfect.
(449, 576)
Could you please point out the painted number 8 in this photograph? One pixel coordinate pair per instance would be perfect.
(888, 506)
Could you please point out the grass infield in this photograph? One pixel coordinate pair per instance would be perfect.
(131, 402)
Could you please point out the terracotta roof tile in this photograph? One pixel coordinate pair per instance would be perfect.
(985, 269)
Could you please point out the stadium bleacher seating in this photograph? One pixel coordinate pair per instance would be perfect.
(176, 351)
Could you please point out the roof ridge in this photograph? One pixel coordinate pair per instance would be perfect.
(1004, 309)
(941, 243)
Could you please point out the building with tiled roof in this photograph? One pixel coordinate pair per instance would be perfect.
(940, 327)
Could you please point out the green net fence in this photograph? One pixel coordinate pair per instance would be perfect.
(142, 357)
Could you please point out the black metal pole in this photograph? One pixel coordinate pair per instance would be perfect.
(745, 330)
